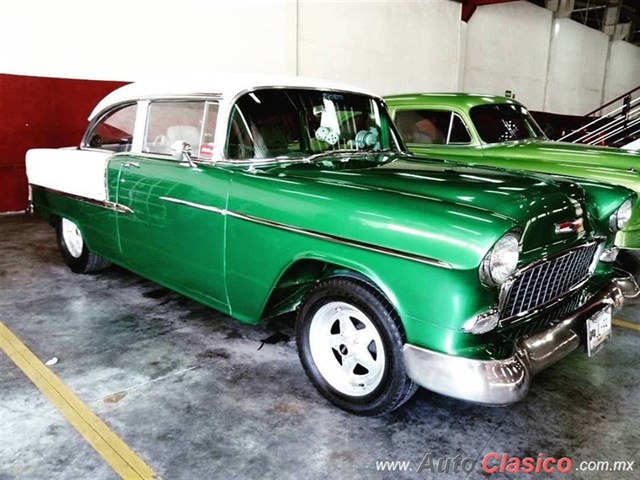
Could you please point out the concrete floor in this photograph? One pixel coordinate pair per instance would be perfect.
(189, 390)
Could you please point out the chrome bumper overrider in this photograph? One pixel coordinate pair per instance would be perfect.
(501, 382)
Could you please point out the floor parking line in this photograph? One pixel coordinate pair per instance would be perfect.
(108, 445)
(624, 324)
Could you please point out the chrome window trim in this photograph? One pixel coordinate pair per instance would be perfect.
(505, 289)
(438, 109)
(232, 102)
(465, 144)
(311, 233)
(168, 158)
(509, 142)
(140, 126)
(142, 104)
(205, 116)
(224, 111)
(84, 142)
(177, 99)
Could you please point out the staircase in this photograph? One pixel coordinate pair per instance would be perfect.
(614, 124)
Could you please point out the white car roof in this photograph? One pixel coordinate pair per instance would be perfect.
(225, 85)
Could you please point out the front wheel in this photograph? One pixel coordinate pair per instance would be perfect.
(350, 345)
(74, 249)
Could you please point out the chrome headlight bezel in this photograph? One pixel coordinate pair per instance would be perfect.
(501, 260)
(620, 218)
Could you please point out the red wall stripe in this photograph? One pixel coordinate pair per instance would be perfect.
(38, 112)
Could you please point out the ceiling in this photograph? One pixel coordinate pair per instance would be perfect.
(619, 18)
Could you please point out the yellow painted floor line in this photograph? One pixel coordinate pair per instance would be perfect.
(108, 445)
(624, 324)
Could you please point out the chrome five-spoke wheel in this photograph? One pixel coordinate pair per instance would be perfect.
(346, 348)
(350, 343)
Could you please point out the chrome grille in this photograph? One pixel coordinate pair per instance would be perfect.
(547, 280)
(550, 317)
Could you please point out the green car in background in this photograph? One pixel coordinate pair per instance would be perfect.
(498, 131)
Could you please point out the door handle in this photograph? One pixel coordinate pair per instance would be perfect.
(131, 164)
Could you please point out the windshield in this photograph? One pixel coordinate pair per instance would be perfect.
(298, 123)
(502, 123)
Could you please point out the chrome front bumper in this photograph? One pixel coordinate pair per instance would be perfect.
(501, 382)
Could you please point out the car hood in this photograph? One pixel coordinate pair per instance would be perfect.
(603, 163)
(439, 200)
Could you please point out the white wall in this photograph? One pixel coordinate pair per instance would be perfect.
(507, 49)
(623, 70)
(462, 56)
(129, 39)
(389, 47)
(577, 61)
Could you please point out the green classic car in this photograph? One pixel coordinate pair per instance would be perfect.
(262, 196)
(498, 131)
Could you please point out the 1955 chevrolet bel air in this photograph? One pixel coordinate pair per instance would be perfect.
(261, 196)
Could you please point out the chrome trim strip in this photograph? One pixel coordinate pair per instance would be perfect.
(194, 205)
(116, 207)
(85, 141)
(345, 241)
(311, 233)
(505, 381)
(139, 127)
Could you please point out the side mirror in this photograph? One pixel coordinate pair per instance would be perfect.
(181, 151)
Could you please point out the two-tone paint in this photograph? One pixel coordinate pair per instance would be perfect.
(251, 238)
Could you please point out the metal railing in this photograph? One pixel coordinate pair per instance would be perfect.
(620, 123)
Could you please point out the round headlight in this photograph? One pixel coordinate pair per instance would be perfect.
(621, 217)
(501, 261)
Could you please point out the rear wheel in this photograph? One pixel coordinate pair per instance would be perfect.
(350, 345)
(74, 250)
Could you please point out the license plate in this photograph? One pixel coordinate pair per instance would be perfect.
(598, 331)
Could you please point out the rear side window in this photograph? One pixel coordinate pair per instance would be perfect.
(432, 127)
(114, 131)
(189, 121)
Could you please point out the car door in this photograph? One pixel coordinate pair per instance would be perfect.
(174, 231)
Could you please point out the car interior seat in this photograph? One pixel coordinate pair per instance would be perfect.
(187, 133)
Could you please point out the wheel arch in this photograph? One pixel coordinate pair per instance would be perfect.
(305, 271)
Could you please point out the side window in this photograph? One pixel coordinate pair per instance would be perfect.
(208, 130)
(190, 121)
(458, 133)
(239, 143)
(432, 127)
(115, 130)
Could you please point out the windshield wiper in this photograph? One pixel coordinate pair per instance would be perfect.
(346, 151)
